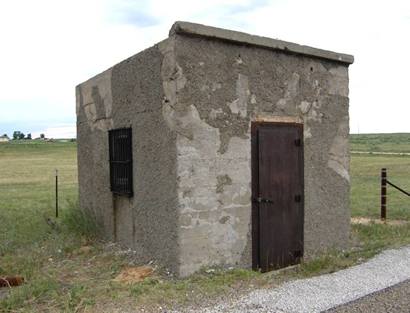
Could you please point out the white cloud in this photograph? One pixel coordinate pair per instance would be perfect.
(48, 47)
(64, 131)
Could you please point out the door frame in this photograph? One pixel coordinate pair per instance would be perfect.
(255, 125)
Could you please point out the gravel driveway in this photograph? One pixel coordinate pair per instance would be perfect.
(324, 292)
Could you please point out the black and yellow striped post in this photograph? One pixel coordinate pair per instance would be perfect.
(383, 193)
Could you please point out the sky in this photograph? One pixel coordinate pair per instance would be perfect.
(47, 47)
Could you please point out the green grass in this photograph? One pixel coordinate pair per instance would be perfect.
(27, 188)
(365, 185)
(380, 142)
(60, 277)
(365, 174)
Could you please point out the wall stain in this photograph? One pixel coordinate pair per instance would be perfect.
(222, 181)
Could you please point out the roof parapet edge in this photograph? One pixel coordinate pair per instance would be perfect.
(181, 27)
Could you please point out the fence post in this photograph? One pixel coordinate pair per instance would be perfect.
(383, 193)
(56, 192)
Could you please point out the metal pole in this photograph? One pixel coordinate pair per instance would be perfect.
(56, 193)
(383, 199)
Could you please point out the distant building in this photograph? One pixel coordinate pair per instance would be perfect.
(4, 138)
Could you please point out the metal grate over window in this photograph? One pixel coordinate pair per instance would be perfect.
(120, 146)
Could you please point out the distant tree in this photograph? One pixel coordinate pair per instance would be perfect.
(5, 135)
(28, 136)
(42, 136)
(16, 135)
(21, 136)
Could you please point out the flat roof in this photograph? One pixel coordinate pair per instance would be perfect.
(265, 42)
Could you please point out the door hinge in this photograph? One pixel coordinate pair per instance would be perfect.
(298, 198)
(298, 142)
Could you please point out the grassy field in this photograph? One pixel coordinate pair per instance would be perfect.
(68, 270)
(365, 187)
(27, 193)
(365, 172)
(380, 142)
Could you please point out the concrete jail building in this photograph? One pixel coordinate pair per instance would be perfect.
(218, 148)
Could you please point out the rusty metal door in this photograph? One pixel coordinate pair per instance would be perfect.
(277, 195)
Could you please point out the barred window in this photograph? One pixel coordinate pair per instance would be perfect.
(120, 149)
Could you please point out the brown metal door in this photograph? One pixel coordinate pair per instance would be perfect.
(277, 194)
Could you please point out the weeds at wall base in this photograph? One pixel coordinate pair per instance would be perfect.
(80, 222)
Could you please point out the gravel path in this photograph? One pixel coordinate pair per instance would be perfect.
(394, 299)
(324, 292)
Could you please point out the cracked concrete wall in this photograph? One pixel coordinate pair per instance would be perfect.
(131, 94)
(224, 87)
(190, 101)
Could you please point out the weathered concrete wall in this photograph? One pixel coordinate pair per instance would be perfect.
(190, 101)
(131, 94)
(94, 118)
(224, 86)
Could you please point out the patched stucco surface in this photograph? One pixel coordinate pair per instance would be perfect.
(226, 87)
(191, 100)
